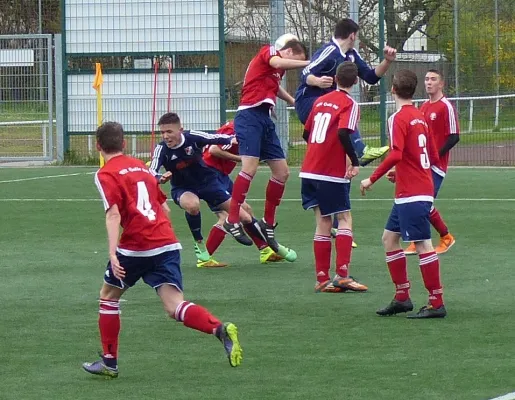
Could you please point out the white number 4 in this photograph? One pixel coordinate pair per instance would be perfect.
(144, 205)
(424, 157)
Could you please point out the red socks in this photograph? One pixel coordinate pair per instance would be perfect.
(274, 194)
(196, 317)
(436, 220)
(430, 269)
(322, 249)
(215, 239)
(239, 194)
(109, 326)
(397, 266)
(343, 252)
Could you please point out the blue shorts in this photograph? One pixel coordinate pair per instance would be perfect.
(303, 107)
(437, 182)
(256, 135)
(330, 197)
(411, 221)
(214, 192)
(226, 183)
(158, 270)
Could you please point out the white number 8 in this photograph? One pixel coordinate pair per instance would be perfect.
(320, 129)
(144, 206)
(424, 157)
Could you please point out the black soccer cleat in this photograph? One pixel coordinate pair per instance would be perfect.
(395, 307)
(429, 312)
(237, 232)
(268, 233)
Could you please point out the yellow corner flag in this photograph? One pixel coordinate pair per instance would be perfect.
(97, 85)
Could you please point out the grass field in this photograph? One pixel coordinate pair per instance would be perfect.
(298, 344)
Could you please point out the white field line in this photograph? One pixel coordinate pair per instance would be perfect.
(71, 200)
(36, 178)
(508, 396)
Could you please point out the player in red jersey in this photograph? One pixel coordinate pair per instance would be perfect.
(442, 119)
(326, 180)
(256, 135)
(147, 249)
(223, 159)
(411, 153)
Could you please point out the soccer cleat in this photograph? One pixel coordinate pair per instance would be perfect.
(348, 284)
(446, 242)
(99, 368)
(429, 312)
(288, 254)
(201, 252)
(228, 335)
(211, 263)
(396, 307)
(267, 255)
(334, 231)
(237, 232)
(372, 153)
(327, 287)
(268, 233)
(411, 249)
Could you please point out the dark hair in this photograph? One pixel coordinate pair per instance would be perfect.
(435, 71)
(296, 47)
(169, 118)
(110, 137)
(346, 74)
(344, 28)
(405, 83)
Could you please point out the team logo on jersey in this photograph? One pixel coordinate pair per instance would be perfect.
(174, 157)
(432, 116)
(189, 150)
(351, 58)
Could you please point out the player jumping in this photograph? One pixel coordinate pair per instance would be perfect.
(411, 153)
(326, 180)
(257, 137)
(147, 249)
(441, 117)
(223, 159)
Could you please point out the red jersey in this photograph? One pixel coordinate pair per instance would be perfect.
(147, 231)
(325, 158)
(221, 164)
(442, 119)
(411, 149)
(261, 82)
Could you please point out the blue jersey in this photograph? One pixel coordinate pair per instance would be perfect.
(185, 160)
(324, 63)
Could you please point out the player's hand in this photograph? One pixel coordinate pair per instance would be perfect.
(165, 177)
(273, 114)
(365, 185)
(325, 82)
(118, 270)
(389, 53)
(234, 140)
(390, 175)
(352, 172)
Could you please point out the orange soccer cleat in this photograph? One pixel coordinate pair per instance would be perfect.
(446, 242)
(411, 249)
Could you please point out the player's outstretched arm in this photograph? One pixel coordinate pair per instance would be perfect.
(286, 64)
(393, 158)
(203, 138)
(284, 95)
(221, 153)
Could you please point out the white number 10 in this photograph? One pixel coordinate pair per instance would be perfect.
(143, 204)
(424, 157)
(320, 129)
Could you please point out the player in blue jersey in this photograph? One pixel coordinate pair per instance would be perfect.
(180, 153)
(317, 78)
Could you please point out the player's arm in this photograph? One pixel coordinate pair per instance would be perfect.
(286, 64)
(345, 140)
(373, 75)
(222, 152)
(113, 219)
(157, 161)
(284, 95)
(203, 138)
(453, 131)
(313, 74)
(451, 141)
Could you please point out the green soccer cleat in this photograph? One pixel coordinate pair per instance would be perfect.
(201, 252)
(99, 368)
(372, 153)
(429, 312)
(211, 263)
(288, 254)
(267, 255)
(228, 335)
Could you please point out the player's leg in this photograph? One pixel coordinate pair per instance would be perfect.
(366, 153)
(166, 278)
(397, 266)
(334, 231)
(446, 238)
(214, 240)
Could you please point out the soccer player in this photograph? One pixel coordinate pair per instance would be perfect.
(191, 179)
(223, 159)
(411, 153)
(147, 249)
(441, 117)
(326, 180)
(317, 78)
(257, 137)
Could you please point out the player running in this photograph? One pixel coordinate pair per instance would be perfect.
(223, 159)
(411, 153)
(441, 117)
(326, 180)
(257, 137)
(147, 249)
